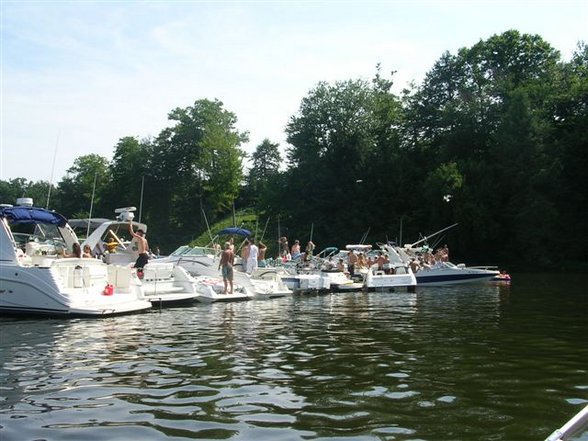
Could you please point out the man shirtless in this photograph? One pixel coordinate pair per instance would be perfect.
(226, 262)
(142, 247)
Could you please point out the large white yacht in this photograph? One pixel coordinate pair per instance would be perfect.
(36, 280)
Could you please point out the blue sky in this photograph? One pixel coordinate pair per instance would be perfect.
(76, 76)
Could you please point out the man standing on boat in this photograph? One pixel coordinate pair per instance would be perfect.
(226, 262)
(252, 258)
(142, 248)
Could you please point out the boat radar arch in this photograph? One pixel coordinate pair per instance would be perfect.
(24, 202)
(125, 214)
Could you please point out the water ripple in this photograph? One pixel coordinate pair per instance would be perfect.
(456, 363)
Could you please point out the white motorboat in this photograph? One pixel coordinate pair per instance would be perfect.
(39, 281)
(575, 428)
(211, 289)
(268, 283)
(163, 282)
(446, 273)
(203, 261)
(441, 272)
(393, 274)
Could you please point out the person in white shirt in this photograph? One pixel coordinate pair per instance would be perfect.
(252, 257)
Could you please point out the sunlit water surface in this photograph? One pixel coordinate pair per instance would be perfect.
(463, 363)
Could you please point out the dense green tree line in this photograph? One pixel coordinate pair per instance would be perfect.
(495, 138)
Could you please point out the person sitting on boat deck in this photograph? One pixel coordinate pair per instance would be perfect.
(226, 263)
(76, 251)
(328, 265)
(87, 251)
(142, 248)
(251, 263)
(341, 266)
(295, 251)
(442, 254)
(261, 254)
(351, 262)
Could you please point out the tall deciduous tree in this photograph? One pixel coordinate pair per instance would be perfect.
(195, 164)
(265, 168)
(77, 187)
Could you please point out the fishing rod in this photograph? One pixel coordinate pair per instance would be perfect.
(141, 200)
(207, 227)
(91, 204)
(52, 172)
(264, 229)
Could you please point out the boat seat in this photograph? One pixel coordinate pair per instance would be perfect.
(94, 274)
(120, 277)
(158, 271)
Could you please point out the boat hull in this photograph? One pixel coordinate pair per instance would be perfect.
(453, 277)
(39, 291)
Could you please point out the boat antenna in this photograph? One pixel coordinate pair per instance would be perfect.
(141, 200)
(52, 172)
(365, 235)
(311, 231)
(91, 204)
(431, 235)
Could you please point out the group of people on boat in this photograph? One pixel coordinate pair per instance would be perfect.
(358, 262)
(252, 255)
(425, 258)
(295, 252)
(77, 251)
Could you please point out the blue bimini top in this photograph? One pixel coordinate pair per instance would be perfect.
(32, 215)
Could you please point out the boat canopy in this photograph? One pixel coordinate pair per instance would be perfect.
(94, 223)
(32, 215)
(236, 231)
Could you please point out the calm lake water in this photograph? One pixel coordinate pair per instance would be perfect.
(461, 363)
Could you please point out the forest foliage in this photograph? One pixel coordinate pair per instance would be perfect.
(494, 138)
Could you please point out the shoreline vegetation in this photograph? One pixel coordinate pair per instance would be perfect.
(494, 138)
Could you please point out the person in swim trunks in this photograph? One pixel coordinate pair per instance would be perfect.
(226, 263)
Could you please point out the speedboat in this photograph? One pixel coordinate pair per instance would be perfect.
(203, 261)
(163, 282)
(37, 280)
(447, 273)
(394, 274)
(435, 272)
